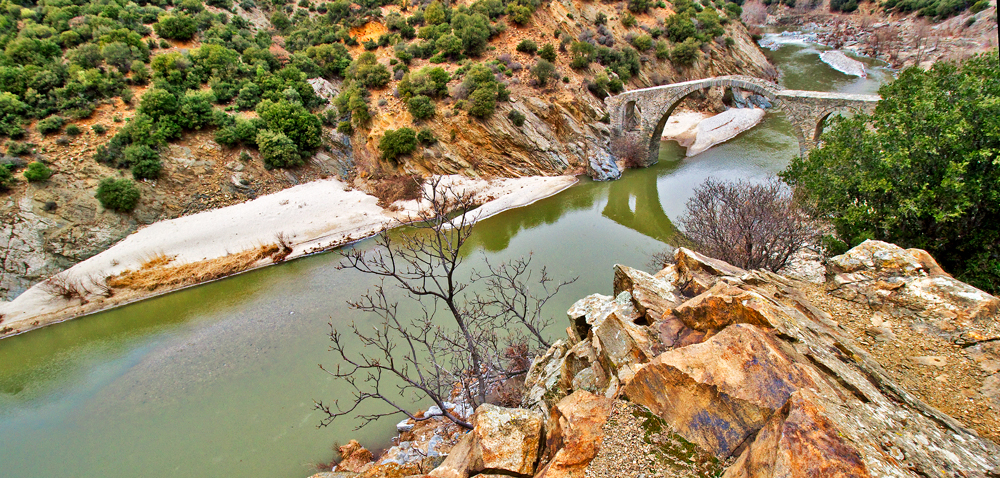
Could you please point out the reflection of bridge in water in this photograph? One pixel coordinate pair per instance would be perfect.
(644, 112)
(635, 204)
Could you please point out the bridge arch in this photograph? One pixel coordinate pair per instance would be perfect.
(821, 122)
(643, 113)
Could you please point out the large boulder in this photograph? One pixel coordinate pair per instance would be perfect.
(909, 283)
(575, 434)
(508, 439)
(651, 296)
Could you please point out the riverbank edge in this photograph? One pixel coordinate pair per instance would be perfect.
(504, 194)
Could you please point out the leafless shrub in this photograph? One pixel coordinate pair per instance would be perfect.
(481, 347)
(284, 242)
(659, 260)
(100, 286)
(754, 12)
(631, 150)
(753, 226)
(68, 289)
(389, 189)
(506, 58)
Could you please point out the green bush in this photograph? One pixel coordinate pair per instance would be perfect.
(686, 53)
(17, 149)
(582, 54)
(176, 27)
(99, 128)
(662, 49)
(368, 72)
(516, 117)
(917, 172)
(344, 127)
(421, 107)
(277, 150)
(548, 53)
(293, 121)
(426, 136)
(628, 20)
(36, 171)
(144, 161)
(147, 169)
(50, 125)
(482, 102)
(642, 42)
(6, 178)
(979, 6)
(73, 130)
(543, 71)
(397, 143)
(639, 6)
(527, 46)
(117, 194)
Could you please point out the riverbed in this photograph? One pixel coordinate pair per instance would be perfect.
(219, 379)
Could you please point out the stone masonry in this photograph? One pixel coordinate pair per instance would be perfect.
(644, 112)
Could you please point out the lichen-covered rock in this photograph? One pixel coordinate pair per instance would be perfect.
(911, 283)
(697, 273)
(575, 435)
(507, 439)
(651, 296)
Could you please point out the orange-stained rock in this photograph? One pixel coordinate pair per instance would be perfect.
(353, 457)
(744, 362)
(723, 305)
(800, 442)
(463, 457)
(507, 439)
(697, 273)
(575, 434)
(714, 420)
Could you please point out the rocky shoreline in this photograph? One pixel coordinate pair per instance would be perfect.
(704, 369)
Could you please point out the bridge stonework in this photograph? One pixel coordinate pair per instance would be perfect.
(644, 112)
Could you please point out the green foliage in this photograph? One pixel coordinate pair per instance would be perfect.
(473, 30)
(117, 194)
(50, 125)
(639, 6)
(518, 13)
(176, 27)
(277, 150)
(527, 46)
(582, 53)
(426, 136)
(449, 45)
(421, 107)
(332, 59)
(368, 72)
(293, 121)
(662, 49)
(516, 117)
(36, 171)
(548, 53)
(642, 42)
(396, 143)
(922, 171)
(543, 71)
(12, 111)
(144, 161)
(686, 53)
(484, 90)
(73, 130)
(98, 128)
(6, 178)
(628, 20)
(680, 28)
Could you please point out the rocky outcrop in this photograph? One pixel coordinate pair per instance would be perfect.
(740, 367)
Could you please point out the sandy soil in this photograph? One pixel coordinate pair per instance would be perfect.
(842, 63)
(313, 217)
(700, 131)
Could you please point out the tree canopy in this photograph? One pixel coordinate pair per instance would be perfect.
(922, 171)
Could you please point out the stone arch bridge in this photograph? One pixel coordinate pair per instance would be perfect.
(644, 112)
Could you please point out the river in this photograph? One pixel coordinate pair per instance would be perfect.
(219, 380)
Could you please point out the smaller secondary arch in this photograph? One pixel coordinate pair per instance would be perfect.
(821, 122)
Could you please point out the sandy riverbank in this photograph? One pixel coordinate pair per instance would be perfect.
(313, 217)
(697, 131)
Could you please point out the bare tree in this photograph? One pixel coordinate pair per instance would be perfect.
(754, 13)
(631, 149)
(749, 225)
(408, 358)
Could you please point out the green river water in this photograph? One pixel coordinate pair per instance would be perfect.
(219, 380)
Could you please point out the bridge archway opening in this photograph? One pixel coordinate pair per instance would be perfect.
(824, 119)
(655, 142)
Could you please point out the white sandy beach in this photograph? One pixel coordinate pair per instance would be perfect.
(698, 131)
(315, 216)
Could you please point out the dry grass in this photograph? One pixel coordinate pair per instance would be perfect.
(156, 274)
(68, 289)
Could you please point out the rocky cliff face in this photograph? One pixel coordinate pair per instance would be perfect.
(708, 370)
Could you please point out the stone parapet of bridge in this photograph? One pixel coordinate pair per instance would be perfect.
(644, 112)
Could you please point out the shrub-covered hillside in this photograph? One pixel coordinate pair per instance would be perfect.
(189, 105)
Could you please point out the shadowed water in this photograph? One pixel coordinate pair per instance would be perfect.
(219, 380)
